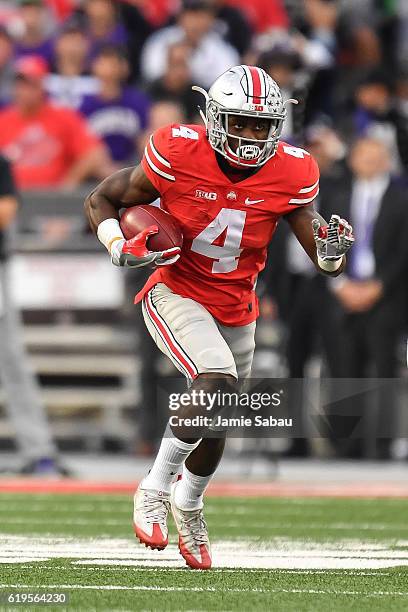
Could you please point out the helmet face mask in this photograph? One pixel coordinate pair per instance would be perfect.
(249, 92)
(245, 151)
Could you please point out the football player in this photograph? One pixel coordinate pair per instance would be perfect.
(227, 183)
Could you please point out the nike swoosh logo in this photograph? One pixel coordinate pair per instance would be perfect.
(248, 201)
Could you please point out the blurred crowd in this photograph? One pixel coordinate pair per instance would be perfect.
(84, 82)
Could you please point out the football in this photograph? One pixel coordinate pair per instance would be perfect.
(138, 218)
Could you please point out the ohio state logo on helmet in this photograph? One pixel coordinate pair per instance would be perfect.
(245, 91)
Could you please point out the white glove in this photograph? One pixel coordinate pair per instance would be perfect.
(333, 240)
(134, 253)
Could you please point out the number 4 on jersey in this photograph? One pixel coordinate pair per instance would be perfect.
(227, 255)
(184, 131)
(295, 152)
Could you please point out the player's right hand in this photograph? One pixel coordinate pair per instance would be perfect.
(134, 253)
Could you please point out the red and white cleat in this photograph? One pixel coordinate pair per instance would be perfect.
(151, 509)
(194, 543)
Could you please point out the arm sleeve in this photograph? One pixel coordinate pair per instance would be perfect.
(156, 161)
(7, 186)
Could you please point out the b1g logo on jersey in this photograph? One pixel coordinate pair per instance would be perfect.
(207, 195)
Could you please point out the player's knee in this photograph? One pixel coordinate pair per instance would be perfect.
(214, 379)
(211, 382)
(205, 392)
(217, 362)
(194, 418)
(213, 385)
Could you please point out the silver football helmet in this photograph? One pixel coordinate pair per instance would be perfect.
(249, 91)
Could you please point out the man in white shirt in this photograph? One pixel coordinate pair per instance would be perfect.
(371, 294)
(69, 83)
(210, 54)
(370, 164)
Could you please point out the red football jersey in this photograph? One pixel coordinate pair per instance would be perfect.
(226, 226)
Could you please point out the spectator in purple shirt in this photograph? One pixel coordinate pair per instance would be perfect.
(118, 113)
(35, 38)
(103, 25)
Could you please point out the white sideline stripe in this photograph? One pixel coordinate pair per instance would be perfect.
(302, 201)
(157, 154)
(12, 560)
(119, 587)
(309, 189)
(170, 177)
(279, 553)
(81, 567)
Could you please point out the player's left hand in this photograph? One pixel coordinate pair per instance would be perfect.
(332, 240)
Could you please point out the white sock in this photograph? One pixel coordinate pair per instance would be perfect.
(172, 453)
(190, 489)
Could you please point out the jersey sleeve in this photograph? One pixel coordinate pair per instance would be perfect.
(307, 187)
(156, 160)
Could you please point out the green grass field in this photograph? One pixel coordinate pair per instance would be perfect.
(294, 554)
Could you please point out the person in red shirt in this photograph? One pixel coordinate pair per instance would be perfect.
(62, 9)
(227, 185)
(49, 146)
(263, 16)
